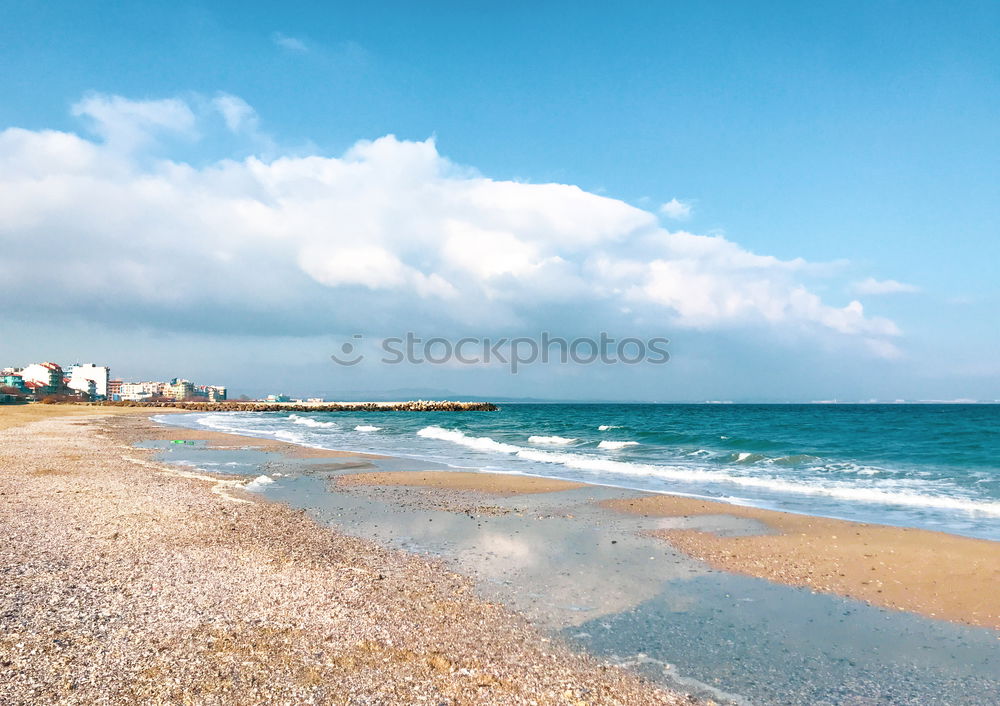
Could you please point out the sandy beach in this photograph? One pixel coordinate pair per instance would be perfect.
(162, 583)
(930, 573)
(126, 581)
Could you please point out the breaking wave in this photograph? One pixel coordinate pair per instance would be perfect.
(888, 493)
(309, 422)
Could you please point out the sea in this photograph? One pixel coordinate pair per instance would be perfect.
(927, 466)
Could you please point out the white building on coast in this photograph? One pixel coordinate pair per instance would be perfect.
(47, 377)
(89, 378)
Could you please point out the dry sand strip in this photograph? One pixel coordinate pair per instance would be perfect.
(501, 484)
(12, 415)
(931, 573)
(123, 583)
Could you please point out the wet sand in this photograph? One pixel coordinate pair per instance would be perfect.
(127, 581)
(595, 577)
(930, 573)
(500, 484)
(221, 440)
(933, 574)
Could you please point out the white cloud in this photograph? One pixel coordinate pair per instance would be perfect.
(289, 43)
(127, 124)
(391, 234)
(242, 121)
(238, 114)
(678, 210)
(885, 286)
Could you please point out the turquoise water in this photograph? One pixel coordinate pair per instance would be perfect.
(929, 466)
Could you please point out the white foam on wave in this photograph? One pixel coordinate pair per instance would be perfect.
(258, 483)
(366, 427)
(605, 427)
(258, 425)
(310, 422)
(616, 445)
(832, 489)
(290, 436)
(747, 457)
(214, 422)
(553, 440)
(480, 443)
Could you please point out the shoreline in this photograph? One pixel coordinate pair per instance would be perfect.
(128, 581)
(796, 505)
(928, 572)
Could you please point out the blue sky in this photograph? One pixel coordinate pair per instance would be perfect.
(859, 137)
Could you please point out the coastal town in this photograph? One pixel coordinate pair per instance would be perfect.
(88, 382)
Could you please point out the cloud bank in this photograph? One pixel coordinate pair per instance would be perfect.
(389, 234)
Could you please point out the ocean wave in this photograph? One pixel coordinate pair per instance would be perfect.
(886, 493)
(217, 422)
(605, 427)
(480, 443)
(366, 427)
(553, 440)
(310, 422)
(616, 445)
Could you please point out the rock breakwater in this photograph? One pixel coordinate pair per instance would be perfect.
(248, 406)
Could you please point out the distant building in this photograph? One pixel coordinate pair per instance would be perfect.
(139, 391)
(177, 389)
(180, 389)
(43, 377)
(210, 393)
(12, 379)
(277, 398)
(89, 378)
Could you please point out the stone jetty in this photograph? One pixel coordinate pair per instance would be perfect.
(249, 406)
